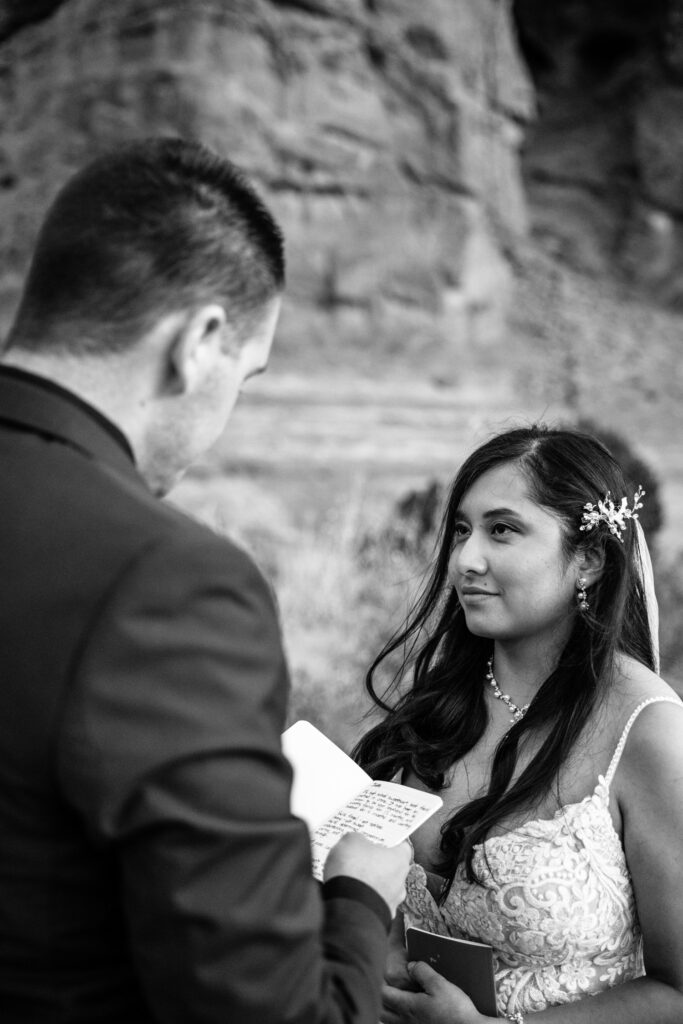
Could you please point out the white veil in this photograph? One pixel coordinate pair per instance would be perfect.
(648, 581)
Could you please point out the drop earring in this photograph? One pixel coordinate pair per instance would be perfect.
(581, 596)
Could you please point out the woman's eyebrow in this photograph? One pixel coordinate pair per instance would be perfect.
(501, 512)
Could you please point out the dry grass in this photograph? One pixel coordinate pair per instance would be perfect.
(339, 600)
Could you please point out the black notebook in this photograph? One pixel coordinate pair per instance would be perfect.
(469, 965)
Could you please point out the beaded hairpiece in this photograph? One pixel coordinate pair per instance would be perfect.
(606, 512)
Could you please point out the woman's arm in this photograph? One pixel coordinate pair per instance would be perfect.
(396, 971)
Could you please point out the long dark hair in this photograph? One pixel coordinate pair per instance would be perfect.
(443, 714)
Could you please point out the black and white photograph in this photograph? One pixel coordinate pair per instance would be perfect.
(341, 511)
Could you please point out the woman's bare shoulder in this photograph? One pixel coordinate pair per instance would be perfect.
(635, 683)
(655, 739)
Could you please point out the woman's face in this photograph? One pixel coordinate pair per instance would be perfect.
(508, 566)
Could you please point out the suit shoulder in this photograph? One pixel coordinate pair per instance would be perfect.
(188, 538)
(142, 524)
(181, 560)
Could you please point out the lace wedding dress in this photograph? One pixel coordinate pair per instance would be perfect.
(557, 904)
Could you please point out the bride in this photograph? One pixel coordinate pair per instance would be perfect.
(536, 712)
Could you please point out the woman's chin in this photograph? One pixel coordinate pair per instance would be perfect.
(482, 630)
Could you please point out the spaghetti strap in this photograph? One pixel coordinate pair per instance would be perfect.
(614, 763)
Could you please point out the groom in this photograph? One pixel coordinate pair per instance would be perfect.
(150, 869)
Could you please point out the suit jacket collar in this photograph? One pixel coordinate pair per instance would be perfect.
(34, 403)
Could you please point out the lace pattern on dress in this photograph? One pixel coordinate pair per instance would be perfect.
(557, 903)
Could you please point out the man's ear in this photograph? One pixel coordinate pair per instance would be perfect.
(195, 347)
(591, 564)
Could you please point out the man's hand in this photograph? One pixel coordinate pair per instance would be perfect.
(383, 868)
(437, 1001)
(396, 970)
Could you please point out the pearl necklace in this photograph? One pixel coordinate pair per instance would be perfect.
(517, 713)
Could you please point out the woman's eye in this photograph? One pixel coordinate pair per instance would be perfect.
(501, 529)
(461, 530)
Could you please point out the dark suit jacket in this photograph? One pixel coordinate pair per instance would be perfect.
(150, 869)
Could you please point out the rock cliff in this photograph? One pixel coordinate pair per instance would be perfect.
(436, 166)
(384, 133)
(603, 162)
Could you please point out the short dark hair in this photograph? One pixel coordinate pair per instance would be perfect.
(158, 225)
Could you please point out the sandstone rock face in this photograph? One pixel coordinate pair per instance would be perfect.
(16, 13)
(603, 161)
(384, 133)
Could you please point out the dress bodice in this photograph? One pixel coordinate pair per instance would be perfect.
(556, 903)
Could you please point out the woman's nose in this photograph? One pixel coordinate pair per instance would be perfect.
(468, 556)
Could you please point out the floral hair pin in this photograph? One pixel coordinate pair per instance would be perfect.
(607, 512)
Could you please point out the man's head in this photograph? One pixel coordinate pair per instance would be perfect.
(159, 259)
(159, 225)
